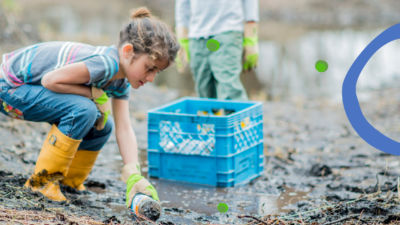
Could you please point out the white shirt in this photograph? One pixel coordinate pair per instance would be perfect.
(205, 18)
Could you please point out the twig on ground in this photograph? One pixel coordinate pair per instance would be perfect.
(359, 218)
(301, 219)
(30, 202)
(254, 218)
(398, 188)
(377, 183)
(388, 194)
(145, 218)
(342, 219)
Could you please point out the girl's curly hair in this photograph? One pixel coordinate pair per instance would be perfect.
(149, 35)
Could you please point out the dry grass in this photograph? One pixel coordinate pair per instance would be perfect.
(13, 216)
(56, 217)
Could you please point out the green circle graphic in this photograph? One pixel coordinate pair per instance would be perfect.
(212, 45)
(222, 207)
(321, 66)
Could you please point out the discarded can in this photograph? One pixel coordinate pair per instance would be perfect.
(146, 206)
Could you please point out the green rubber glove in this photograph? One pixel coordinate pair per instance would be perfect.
(251, 55)
(250, 46)
(184, 54)
(103, 104)
(184, 42)
(136, 183)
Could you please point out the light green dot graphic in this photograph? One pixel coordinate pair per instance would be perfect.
(212, 45)
(222, 207)
(321, 66)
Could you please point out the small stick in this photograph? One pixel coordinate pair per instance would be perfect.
(390, 197)
(398, 187)
(145, 218)
(301, 220)
(388, 194)
(360, 217)
(339, 220)
(252, 217)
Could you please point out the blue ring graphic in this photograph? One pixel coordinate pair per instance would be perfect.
(350, 101)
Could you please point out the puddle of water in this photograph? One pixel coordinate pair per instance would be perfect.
(205, 199)
(125, 215)
(290, 197)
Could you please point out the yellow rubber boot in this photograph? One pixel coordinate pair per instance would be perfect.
(52, 164)
(80, 168)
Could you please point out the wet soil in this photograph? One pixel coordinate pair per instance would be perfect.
(317, 170)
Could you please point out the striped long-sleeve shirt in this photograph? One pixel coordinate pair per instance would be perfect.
(205, 18)
(28, 65)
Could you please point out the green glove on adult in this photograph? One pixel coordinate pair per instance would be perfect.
(100, 98)
(183, 54)
(136, 183)
(250, 46)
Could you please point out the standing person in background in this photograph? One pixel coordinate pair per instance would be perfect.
(217, 74)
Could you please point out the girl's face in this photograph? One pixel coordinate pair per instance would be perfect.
(142, 69)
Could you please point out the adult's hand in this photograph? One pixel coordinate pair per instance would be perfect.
(183, 57)
(250, 46)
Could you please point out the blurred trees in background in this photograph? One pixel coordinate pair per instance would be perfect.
(97, 22)
(14, 33)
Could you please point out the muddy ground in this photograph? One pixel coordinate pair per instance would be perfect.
(317, 169)
(315, 164)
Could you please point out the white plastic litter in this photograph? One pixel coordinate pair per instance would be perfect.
(172, 140)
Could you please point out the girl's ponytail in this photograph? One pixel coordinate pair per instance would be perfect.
(140, 13)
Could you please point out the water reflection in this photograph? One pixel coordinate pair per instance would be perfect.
(287, 69)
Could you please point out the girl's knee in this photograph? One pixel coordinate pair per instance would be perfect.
(96, 139)
(87, 113)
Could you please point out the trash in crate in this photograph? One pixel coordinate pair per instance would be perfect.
(216, 112)
(168, 146)
(202, 113)
(222, 112)
(173, 141)
(228, 112)
(206, 129)
(196, 147)
(190, 147)
(245, 122)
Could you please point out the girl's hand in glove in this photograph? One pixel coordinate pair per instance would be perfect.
(136, 183)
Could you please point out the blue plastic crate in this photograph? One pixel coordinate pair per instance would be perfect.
(188, 142)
